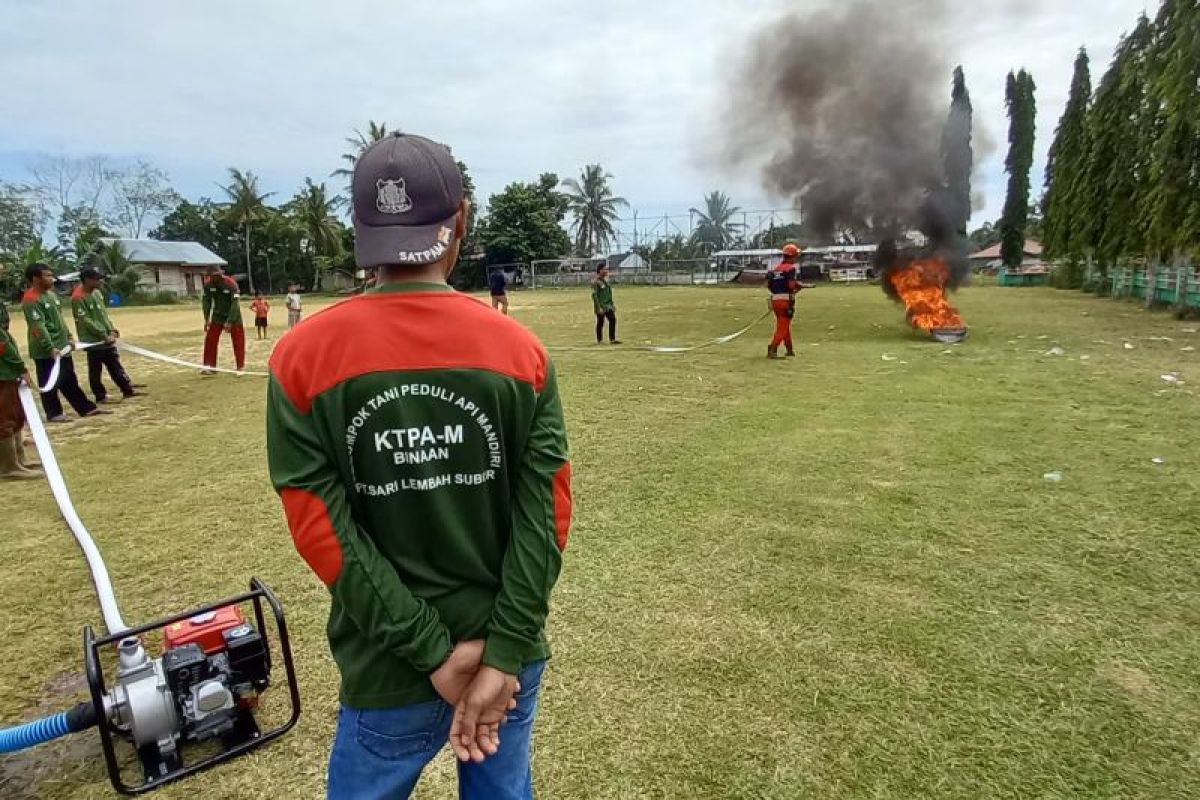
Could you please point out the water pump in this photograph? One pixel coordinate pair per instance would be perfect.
(185, 691)
(205, 686)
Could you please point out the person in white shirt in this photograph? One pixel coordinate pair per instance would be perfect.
(293, 305)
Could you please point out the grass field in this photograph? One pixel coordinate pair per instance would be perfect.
(838, 577)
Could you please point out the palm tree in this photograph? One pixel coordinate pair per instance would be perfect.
(315, 213)
(38, 253)
(714, 225)
(12, 275)
(592, 202)
(360, 141)
(245, 207)
(122, 276)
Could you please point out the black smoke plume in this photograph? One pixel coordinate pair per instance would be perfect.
(844, 110)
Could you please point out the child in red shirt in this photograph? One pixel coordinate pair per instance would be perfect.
(260, 306)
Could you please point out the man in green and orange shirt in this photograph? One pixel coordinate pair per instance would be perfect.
(222, 312)
(416, 439)
(95, 328)
(14, 464)
(48, 337)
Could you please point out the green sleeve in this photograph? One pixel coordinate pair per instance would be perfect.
(3, 315)
(363, 583)
(596, 297)
(541, 515)
(85, 326)
(234, 315)
(37, 324)
(10, 356)
(104, 317)
(206, 304)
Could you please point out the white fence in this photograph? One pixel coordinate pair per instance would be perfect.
(561, 273)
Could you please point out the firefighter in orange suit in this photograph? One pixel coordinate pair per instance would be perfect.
(783, 283)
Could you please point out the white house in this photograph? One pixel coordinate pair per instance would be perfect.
(177, 267)
(626, 262)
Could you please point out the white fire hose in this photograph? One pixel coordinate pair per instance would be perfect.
(668, 349)
(58, 485)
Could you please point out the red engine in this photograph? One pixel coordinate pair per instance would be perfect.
(207, 630)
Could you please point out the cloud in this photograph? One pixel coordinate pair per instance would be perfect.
(516, 88)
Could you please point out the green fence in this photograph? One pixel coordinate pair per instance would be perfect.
(1158, 285)
(1020, 277)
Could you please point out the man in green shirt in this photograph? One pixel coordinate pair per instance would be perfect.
(602, 303)
(94, 327)
(417, 442)
(48, 337)
(13, 463)
(221, 303)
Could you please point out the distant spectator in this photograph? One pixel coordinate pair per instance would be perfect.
(293, 305)
(602, 301)
(261, 308)
(498, 285)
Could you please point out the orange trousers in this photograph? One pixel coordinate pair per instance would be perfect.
(783, 323)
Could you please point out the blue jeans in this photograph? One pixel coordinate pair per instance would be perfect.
(378, 754)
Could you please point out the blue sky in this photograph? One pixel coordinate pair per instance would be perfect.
(275, 86)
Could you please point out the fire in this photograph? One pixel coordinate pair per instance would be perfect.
(922, 287)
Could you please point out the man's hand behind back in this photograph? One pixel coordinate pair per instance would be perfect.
(482, 708)
(451, 679)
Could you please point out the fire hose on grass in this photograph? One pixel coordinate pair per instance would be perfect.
(204, 686)
(665, 349)
(215, 664)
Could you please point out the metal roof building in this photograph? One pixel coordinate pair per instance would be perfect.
(152, 251)
(177, 267)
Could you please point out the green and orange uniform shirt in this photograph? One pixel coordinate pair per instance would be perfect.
(11, 365)
(12, 416)
(220, 301)
(417, 441)
(47, 330)
(92, 322)
(602, 296)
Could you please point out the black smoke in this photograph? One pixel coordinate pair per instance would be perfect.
(844, 110)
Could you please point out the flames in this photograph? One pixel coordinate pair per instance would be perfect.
(921, 285)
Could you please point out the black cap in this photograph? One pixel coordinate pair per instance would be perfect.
(406, 191)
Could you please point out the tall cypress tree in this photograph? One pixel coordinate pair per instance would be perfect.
(1173, 202)
(1115, 183)
(1022, 116)
(957, 155)
(1065, 170)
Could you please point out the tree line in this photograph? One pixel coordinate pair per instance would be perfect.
(305, 238)
(1122, 184)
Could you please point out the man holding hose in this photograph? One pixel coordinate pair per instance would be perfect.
(784, 284)
(14, 463)
(48, 338)
(222, 312)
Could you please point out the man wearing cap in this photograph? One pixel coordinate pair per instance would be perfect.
(222, 312)
(48, 338)
(783, 284)
(95, 328)
(416, 439)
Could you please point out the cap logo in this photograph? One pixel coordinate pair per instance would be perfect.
(392, 197)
